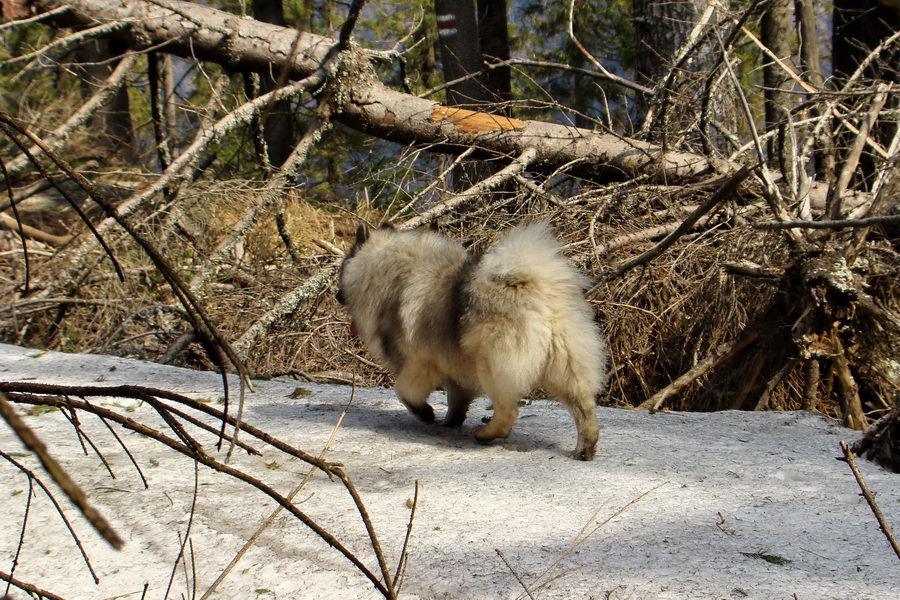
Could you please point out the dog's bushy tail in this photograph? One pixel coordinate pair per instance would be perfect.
(527, 321)
(530, 255)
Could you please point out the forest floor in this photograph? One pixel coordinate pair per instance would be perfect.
(676, 505)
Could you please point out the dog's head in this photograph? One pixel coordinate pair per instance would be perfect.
(347, 294)
(363, 233)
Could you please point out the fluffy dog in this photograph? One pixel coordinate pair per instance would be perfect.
(500, 323)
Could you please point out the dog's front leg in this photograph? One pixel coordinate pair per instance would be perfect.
(413, 390)
(506, 410)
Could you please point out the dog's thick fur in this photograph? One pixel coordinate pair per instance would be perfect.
(500, 324)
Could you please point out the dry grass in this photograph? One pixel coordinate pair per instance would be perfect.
(660, 319)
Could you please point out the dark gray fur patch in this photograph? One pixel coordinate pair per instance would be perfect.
(460, 298)
(389, 328)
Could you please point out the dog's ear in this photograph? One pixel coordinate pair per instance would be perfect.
(387, 226)
(362, 234)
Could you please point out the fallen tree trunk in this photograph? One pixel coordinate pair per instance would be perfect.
(360, 100)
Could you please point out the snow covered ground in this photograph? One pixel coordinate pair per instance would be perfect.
(675, 505)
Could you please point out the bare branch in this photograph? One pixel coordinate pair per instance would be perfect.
(288, 304)
(185, 444)
(716, 357)
(851, 159)
(66, 43)
(723, 193)
(59, 475)
(516, 167)
(57, 139)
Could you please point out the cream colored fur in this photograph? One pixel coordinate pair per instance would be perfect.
(501, 324)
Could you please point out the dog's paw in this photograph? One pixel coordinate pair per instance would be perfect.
(454, 418)
(484, 433)
(422, 412)
(481, 435)
(583, 454)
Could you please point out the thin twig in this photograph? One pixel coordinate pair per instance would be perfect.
(271, 519)
(217, 344)
(57, 138)
(29, 588)
(286, 305)
(716, 357)
(404, 552)
(851, 158)
(66, 43)
(40, 17)
(516, 167)
(59, 510)
(187, 533)
(611, 76)
(21, 542)
(187, 446)
(586, 532)
(772, 194)
(513, 571)
(838, 224)
(434, 183)
(763, 402)
(850, 459)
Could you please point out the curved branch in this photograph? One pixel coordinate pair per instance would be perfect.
(723, 193)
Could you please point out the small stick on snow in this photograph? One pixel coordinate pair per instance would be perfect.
(850, 459)
(513, 571)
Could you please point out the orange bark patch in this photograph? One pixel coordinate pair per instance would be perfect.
(14, 9)
(470, 121)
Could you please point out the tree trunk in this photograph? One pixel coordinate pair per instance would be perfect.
(858, 27)
(812, 65)
(776, 34)
(113, 121)
(493, 36)
(460, 51)
(661, 29)
(366, 103)
(278, 121)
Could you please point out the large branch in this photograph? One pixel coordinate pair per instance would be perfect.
(361, 100)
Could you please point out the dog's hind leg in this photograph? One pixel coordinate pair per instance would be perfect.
(413, 386)
(458, 401)
(584, 412)
(506, 410)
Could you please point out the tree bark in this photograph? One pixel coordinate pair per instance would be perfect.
(858, 27)
(113, 121)
(812, 64)
(661, 29)
(493, 34)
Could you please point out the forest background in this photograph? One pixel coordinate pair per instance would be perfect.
(180, 180)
